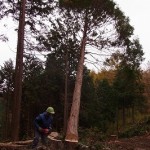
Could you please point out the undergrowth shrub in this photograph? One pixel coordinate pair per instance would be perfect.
(140, 128)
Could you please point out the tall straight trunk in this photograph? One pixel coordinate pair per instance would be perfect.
(66, 96)
(72, 128)
(18, 75)
(123, 113)
(117, 119)
(133, 118)
(27, 126)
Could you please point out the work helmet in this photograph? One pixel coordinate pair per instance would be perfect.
(50, 110)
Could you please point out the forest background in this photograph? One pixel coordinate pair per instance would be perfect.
(111, 100)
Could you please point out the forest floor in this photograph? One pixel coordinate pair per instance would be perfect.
(134, 143)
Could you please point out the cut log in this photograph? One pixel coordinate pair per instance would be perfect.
(11, 146)
(23, 142)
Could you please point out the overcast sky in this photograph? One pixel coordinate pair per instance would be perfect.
(139, 13)
(137, 10)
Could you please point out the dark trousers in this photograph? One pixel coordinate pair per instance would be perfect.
(37, 137)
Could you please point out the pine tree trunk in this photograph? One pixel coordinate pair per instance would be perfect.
(66, 96)
(117, 119)
(18, 75)
(133, 118)
(72, 128)
(123, 114)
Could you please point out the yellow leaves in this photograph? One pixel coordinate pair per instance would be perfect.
(104, 74)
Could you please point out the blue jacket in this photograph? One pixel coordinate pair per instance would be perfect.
(43, 121)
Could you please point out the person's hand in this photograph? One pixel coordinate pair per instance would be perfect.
(45, 131)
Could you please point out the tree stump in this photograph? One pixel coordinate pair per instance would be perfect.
(70, 145)
(113, 138)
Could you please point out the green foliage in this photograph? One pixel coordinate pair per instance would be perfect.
(7, 76)
(46, 86)
(33, 70)
(128, 83)
(87, 100)
(91, 136)
(74, 3)
(141, 128)
(106, 103)
(98, 104)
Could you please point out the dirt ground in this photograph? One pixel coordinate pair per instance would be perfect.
(135, 143)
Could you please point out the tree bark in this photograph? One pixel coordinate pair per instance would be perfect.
(18, 75)
(133, 118)
(123, 113)
(66, 96)
(72, 128)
